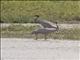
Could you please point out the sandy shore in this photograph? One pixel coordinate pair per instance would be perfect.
(30, 49)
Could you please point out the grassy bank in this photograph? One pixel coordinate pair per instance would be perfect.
(20, 31)
(23, 11)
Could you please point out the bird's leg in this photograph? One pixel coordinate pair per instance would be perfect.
(50, 35)
(45, 36)
(36, 36)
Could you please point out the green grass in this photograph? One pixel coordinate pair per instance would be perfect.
(23, 11)
(73, 34)
(20, 31)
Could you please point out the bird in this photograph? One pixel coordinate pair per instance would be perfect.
(47, 27)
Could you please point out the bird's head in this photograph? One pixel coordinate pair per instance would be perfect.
(36, 18)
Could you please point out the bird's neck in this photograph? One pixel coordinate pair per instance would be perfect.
(57, 27)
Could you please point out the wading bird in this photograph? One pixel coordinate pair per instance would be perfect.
(47, 27)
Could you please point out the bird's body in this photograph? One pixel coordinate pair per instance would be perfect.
(44, 30)
(45, 23)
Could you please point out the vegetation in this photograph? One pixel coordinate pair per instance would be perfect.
(23, 11)
(20, 31)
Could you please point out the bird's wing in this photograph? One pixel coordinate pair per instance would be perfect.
(46, 24)
(41, 26)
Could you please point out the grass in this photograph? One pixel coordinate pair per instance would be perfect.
(73, 34)
(23, 11)
(20, 31)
